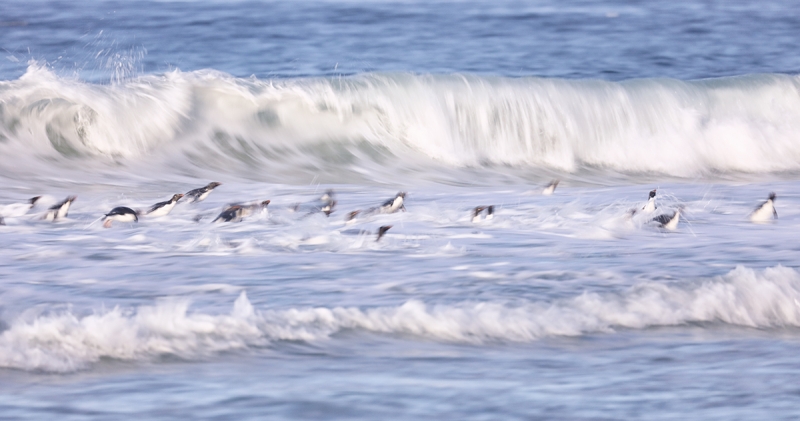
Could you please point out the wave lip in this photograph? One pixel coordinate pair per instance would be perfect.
(65, 342)
(214, 121)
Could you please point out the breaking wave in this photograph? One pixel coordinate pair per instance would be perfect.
(373, 124)
(66, 342)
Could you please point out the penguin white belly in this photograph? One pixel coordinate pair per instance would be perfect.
(62, 211)
(202, 196)
(672, 225)
(15, 210)
(396, 204)
(128, 217)
(764, 213)
(650, 206)
(162, 211)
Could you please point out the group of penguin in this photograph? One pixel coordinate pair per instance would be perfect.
(669, 221)
(126, 214)
(237, 211)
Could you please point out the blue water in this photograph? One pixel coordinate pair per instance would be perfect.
(563, 306)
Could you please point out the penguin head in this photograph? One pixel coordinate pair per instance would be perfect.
(176, 197)
(352, 215)
(328, 196)
(653, 193)
(213, 185)
(381, 231)
(772, 196)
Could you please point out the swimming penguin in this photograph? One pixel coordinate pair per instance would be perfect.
(120, 214)
(351, 217)
(327, 197)
(394, 204)
(490, 212)
(476, 214)
(163, 208)
(650, 206)
(328, 208)
(766, 211)
(550, 188)
(198, 195)
(18, 209)
(381, 231)
(669, 221)
(235, 213)
(327, 202)
(248, 210)
(59, 210)
(230, 214)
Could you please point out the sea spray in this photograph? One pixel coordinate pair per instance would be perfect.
(65, 342)
(210, 120)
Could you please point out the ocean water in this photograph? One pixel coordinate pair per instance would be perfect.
(565, 306)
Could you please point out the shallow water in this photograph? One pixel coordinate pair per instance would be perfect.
(560, 307)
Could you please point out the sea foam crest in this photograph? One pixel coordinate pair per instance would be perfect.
(212, 120)
(65, 342)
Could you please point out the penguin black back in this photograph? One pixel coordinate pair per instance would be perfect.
(381, 231)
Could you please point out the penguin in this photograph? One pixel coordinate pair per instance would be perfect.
(650, 206)
(248, 210)
(351, 217)
(327, 202)
(669, 221)
(476, 214)
(490, 212)
(766, 211)
(163, 208)
(120, 214)
(198, 195)
(328, 208)
(551, 188)
(327, 197)
(59, 210)
(394, 204)
(231, 214)
(236, 212)
(18, 209)
(381, 231)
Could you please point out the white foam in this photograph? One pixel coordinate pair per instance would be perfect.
(66, 342)
(346, 126)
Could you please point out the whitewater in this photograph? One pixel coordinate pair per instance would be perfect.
(371, 126)
(574, 305)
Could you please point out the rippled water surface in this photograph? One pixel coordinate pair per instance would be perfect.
(575, 305)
